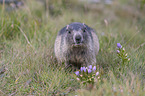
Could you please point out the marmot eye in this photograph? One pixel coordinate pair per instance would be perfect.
(69, 32)
(84, 30)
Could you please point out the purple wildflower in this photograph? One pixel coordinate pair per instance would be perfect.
(97, 73)
(77, 73)
(81, 69)
(84, 69)
(90, 67)
(89, 70)
(94, 68)
(118, 51)
(119, 45)
(78, 79)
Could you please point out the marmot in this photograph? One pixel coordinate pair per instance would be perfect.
(76, 44)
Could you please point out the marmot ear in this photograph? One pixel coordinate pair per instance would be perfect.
(67, 27)
(84, 25)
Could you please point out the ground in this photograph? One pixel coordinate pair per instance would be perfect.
(27, 34)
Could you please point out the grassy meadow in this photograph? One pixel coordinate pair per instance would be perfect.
(27, 63)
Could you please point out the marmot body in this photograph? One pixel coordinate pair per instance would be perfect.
(76, 44)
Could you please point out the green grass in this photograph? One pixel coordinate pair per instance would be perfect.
(27, 37)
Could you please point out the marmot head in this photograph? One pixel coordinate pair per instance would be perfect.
(76, 34)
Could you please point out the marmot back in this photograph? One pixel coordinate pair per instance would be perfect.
(76, 44)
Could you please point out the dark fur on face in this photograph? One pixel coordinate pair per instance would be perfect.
(77, 35)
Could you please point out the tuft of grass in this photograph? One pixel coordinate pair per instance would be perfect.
(27, 35)
(130, 85)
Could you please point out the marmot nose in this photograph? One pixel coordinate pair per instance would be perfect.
(78, 39)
